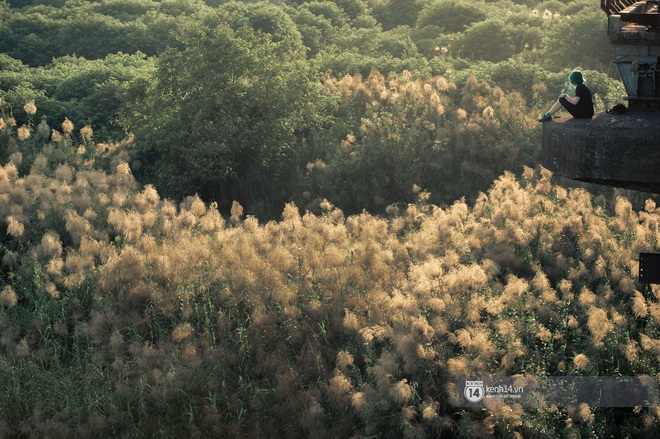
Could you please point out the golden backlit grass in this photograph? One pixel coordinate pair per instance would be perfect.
(124, 314)
(452, 140)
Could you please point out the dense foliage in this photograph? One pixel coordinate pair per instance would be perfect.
(208, 125)
(159, 69)
(302, 219)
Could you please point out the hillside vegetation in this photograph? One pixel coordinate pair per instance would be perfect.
(246, 130)
(305, 219)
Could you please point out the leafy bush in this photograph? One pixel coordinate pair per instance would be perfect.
(579, 41)
(452, 15)
(230, 130)
(95, 92)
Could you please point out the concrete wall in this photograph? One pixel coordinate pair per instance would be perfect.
(615, 150)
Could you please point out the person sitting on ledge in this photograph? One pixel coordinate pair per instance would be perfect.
(581, 106)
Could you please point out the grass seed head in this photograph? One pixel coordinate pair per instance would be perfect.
(8, 297)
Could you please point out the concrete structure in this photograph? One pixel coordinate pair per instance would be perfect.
(615, 150)
(634, 30)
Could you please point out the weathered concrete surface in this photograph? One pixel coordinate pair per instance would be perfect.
(614, 150)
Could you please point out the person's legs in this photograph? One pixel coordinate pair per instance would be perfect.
(574, 110)
(555, 107)
(561, 102)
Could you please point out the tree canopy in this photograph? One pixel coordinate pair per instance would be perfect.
(229, 112)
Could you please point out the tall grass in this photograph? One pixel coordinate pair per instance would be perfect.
(125, 315)
(397, 131)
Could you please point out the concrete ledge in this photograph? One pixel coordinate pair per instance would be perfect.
(614, 150)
